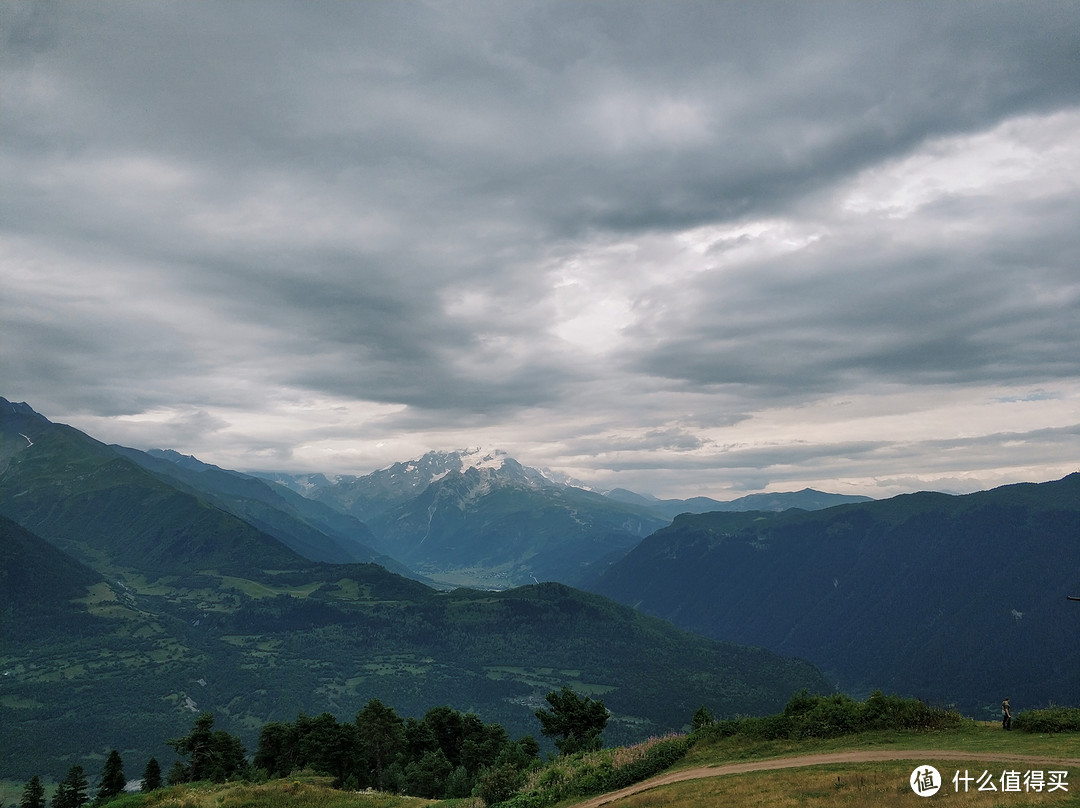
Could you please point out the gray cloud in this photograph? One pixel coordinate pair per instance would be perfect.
(635, 233)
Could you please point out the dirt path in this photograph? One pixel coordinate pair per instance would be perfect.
(857, 756)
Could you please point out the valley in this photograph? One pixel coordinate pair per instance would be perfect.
(143, 588)
(144, 602)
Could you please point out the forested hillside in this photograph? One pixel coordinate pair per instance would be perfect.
(956, 599)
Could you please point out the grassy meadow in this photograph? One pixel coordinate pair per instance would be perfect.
(862, 785)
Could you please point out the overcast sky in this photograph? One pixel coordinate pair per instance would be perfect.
(684, 248)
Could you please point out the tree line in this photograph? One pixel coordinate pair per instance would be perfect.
(445, 754)
(73, 790)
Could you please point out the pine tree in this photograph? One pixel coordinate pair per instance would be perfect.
(34, 794)
(199, 746)
(382, 732)
(151, 778)
(71, 792)
(703, 717)
(178, 773)
(212, 755)
(112, 778)
(575, 723)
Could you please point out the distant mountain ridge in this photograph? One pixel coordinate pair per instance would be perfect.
(949, 598)
(461, 518)
(481, 518)
(369, 495)
(807, 499)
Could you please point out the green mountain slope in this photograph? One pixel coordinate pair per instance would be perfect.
(312, 529)
(37, 581)
(92, 502)
(190, 608)
(950, 598)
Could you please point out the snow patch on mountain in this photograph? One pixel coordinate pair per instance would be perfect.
(562, 478)
(478, 459)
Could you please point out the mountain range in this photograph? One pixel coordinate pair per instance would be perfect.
(954, 599)
(139, 587)
(147, 592)
(476, 518)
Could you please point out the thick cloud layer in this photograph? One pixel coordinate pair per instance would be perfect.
(683, 248)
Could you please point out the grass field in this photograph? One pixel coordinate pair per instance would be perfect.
(877, 783)
(970, 736)
(873, 785)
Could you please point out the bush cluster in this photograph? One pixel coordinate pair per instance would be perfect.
(815, 716)
(1050, 720)
(589, 773)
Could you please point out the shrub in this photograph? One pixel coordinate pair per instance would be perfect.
(498, 784)
(814, 716)
(587, 773)
(1050, 720)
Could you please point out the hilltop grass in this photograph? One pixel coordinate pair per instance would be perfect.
(863, 785)
(813, 724)
(303, 791)
(880, 783)
(977, 737)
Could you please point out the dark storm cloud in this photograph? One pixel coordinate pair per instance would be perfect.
(478, 213)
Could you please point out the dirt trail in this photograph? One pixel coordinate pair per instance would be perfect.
(857, 756)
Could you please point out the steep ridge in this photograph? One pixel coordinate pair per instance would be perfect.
(94, 503)
(807, 499)
(950, 598)
(310, 528)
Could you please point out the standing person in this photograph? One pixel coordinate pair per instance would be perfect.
(1006, 715)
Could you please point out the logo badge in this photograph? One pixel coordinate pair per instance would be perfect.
(925, 781)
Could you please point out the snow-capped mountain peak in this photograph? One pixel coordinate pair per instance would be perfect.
(478, 458)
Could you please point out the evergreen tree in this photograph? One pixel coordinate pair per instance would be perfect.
(326, 746)
(199, 747)
(178, 773)
(277, 752)
(33, 795)
(382, 736)
(574, 722)
(447, 726)
(703, 717)
(151, 776)
(427, 776)
(459, 784)
(229, 757)
(112, 778)
(72, 790)
(212, 755)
